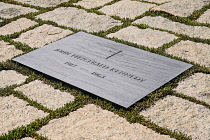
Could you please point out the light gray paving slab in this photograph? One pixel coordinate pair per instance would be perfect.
(204, 18)
(114, 71)
(16, 113)
(10, 10)
(146, 37)
(80, 19)
(163, 23)
(92, 122)
(158, 1)
(45, 94)
(181, 115)
(88, 4)
(126, 9)
(1, 21)
(27, 138)
(43, 3)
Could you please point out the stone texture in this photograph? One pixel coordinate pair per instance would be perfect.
(45, 94)
(181, 115)
(10, 10)
(16, 26)
(197, 85)
(80, 19)
(196, 52)
(27, 138)
(182, 8)
(92, 122)
(205, 18)
(163, 23)
(42, 35)
(10, 77)
(15, 113)
(88, 4)
(7, 51)
(157, 1)
(43, 3)
(147, 37)
(126, 9)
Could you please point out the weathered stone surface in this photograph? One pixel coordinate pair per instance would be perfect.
(205, 18)
(163, 23)
(92, 122)
(126, 9)
(147, 37)
(10, 77)
(197, 85)
(88, 4)
(181, 115)
(43, 3)
(196, 52)
(42, 35)
(45, 94)
(16, 26)
(15, 113)
(27, 138)
(10, 10)
(157, 1)
(7, 51)
(80, 19)
(182, 8)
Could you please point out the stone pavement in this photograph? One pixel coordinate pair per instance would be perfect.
(33, 106)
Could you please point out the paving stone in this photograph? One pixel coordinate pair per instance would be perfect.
(16, 112)
(88, 4)
(157, 1)
(10, 77)
(45, 94)
(42, 35)
(126, 9)
(92, 122)
(197, 85)
(163, 23)
(7, 51)
(10, 10)
(16, 26)
(147, 37)
(43, 3)
(181, 115)
(196, 52)
(205, 18)
(182, 8)
(80, 19)
(27, 138)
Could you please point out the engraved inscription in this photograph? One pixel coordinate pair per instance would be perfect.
(98, 75)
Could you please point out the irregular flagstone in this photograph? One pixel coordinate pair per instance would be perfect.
(92, 122)
(205, 18)
(27, 138)
(7, 51)
(196, 52)
(42, 35)
(45, 94)
(181, 115)
(16, 113)
(88, 4)
(10, 77)
(197, 85)
(182, 8)
(126, 9)
(163, 23)
(16, 26)
(158, 1)
(10, 10)
(80, 19)
(147, 37)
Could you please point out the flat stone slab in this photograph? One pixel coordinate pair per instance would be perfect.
(196, 52)
(27, 138)
(10, 10)
(158, 1)
(205, 18)
(146, 37)
(16, 113)
(10, 77)
(88, 4)
(92, 122)
(43, 3)
(42, 35)
(114, 71)
(126, 9)
(45, 94)
(16, 26)
(181, 115)
(80, 19)
(166, 24)
(7, 51)
(197, 85)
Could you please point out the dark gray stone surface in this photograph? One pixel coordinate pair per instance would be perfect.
(114, 71)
